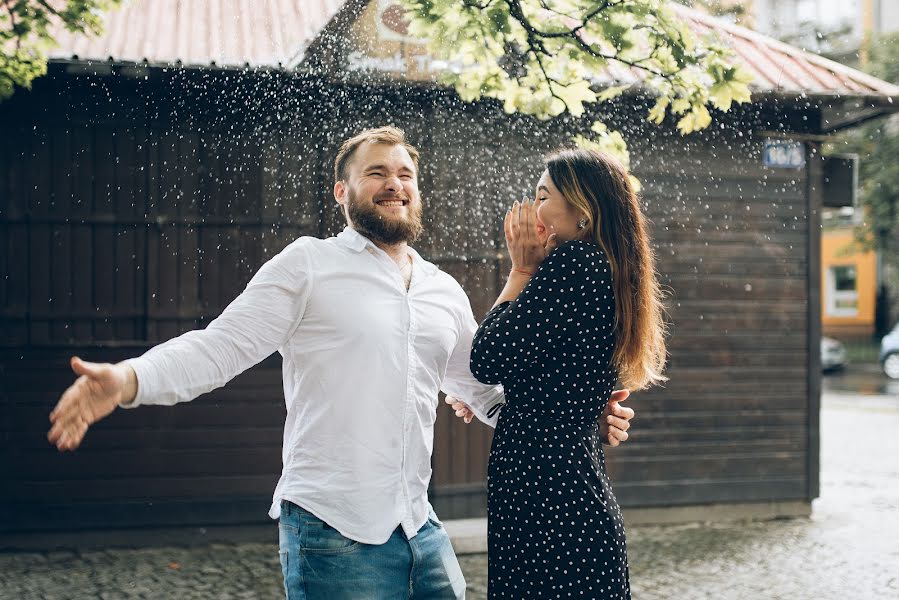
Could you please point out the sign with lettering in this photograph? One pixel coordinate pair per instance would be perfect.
(784, 154)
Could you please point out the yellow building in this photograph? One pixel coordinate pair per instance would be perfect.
(848, 286)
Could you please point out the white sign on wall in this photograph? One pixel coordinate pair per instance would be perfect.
(784, 154)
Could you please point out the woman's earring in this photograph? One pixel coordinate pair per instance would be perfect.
(582, 223)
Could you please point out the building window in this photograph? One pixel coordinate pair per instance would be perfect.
(842, 291)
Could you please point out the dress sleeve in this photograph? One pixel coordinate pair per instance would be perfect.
(515, 335)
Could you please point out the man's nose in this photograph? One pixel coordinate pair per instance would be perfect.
(393, 184)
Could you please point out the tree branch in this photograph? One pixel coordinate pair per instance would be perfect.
(12, 20)
(536, 37)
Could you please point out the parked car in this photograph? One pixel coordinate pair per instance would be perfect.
(889, 353)
(833, 354)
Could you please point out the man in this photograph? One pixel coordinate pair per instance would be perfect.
(369, 333)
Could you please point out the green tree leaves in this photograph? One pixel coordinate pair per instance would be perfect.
(544, 57)
(27, 30)
(877, 145)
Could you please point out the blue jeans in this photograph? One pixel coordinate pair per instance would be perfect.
(318, 563)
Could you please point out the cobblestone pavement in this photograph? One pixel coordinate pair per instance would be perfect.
(847, 550)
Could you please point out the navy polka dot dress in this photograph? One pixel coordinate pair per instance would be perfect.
(554, 526)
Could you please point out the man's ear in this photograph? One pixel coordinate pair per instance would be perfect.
(340, 192)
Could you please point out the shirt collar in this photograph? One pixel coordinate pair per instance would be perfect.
(353, 240)
(357, 242)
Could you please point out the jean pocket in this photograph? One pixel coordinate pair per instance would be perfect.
(318, 538)
(433, 520)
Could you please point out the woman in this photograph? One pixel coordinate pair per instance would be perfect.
(581, 309)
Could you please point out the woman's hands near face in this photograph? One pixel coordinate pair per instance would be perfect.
(525, 248)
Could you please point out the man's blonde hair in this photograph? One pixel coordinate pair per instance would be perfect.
(391, 136)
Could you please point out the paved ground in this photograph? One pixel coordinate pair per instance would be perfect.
(848, 549)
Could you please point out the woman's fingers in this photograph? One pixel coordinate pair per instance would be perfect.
(516, 220)
(532, 220)
(551, 243)
(620, 424)
(526, 220)
(616, 436)
(507, 226)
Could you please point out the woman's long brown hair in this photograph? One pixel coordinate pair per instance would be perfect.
(598, 185)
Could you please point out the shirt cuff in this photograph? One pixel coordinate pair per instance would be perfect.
(140, 373)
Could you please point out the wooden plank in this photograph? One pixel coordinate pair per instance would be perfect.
(17, 268)
(151, 463)
(188, 236)
(815, 191)
(209, 285)
(48, 515)
(60, 268)
(131, 171)
(104, 250)
(678, 467)
(683, 492)
(140, 488)
(106, 280)
(104, 159)
(38, 288)
(229, 268)
(14, 176)
(169, 171)
(125, 269)
(83, 281)
(230, 409)
(249, 165)
(155, 243)
(82, 174)
(40, 175)
(193, 437)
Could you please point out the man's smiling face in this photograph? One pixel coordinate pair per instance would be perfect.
(381, 194)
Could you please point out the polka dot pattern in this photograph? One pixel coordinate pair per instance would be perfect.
(555, 528)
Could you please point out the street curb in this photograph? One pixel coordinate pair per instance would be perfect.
(468, 536)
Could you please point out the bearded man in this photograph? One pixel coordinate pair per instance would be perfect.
(369, 333)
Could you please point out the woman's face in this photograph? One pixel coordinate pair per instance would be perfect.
(555, 214)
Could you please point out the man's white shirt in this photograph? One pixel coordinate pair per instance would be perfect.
(363, 360)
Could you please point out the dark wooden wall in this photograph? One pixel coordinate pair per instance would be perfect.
(133, 210)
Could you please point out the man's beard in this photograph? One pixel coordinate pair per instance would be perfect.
(369, 222)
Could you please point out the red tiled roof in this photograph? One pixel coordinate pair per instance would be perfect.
(226, 33)
(276, 33)
(781, 68)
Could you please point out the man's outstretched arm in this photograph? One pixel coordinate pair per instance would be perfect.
(256, 324)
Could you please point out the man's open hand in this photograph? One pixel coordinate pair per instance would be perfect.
(95, 394)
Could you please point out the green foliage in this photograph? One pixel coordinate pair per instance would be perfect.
(545, 58)
(734, 10)
(877, 145)
(27, 29)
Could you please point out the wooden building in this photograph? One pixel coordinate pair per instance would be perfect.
(154, 169)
